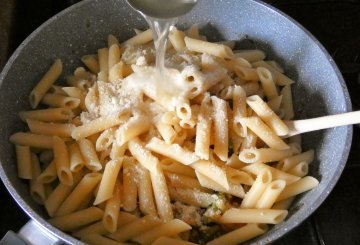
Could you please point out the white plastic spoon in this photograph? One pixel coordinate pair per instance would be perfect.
(308, 125)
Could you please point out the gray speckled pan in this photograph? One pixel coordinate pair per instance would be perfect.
(83, 28)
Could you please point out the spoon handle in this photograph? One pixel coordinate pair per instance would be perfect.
(308, 125)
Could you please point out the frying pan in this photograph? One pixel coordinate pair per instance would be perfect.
(82, 29)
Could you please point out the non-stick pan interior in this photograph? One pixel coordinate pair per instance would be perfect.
(83, 28)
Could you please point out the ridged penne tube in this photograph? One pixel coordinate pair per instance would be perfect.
(284, 204)
(53, 129)
(112, 209)
(90, 157)
(161, 195)
(48, 175)
(250, 55)
(270, 194)
(129, 202)
(38, 92)
(183, 181)
(98, 227)
(62, 161)
(78, 219)
(304, 184)
(212, 171)
(114, 55)
(98, 240)
(220, 120)
(47, 115)
(169, 117)
(239, 110)
(203, 129)
(135, 228)
(275, 103)
(85, 187)
(247, 74)
(255, 168)
(141, 38)
(183, 110)
(173, 241)
(215, 49)
(267, 115)
(191, 197)
(108, 181)
(250, 88)
(132, 128)
(91, 63)
(172, 166)
(117, 151)
(143, 155)
(264, 133)
(280, 79)
(263, 155)
(173, 151)
(32, 140)
(119, 71)
(103, 55)
(59, 194)
(267, 83)
(166, 131)
(80, 82)
(301, 169)
(145, 191)
(261, 216)
(171, 228)
(76, 159)
(236, 176)
(240, 235)
(256, 190)
(287, 103)
(54, 89)
(176, 38)
(37, 190)
(98, 125)
(23, 160)
(234, 189)
(58, 100)
(292, 161)
(105, 139)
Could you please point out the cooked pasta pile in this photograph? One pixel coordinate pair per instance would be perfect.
(194, 155)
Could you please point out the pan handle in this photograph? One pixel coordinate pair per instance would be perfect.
(30, 234)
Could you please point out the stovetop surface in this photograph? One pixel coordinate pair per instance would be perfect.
(336, 24)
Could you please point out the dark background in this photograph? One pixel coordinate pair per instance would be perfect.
(336, 24)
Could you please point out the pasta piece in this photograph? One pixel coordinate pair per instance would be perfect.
(256, 190)
(220, 120)
(270, 194)
(171, 228)
(172, 166)
(108, 181)
(76, 93)
(215, 49)
(32, 140)
(76, 159)
(264, 155)
(236, 176)
(47, 115)
(203, 129)
(62, 161)
(267, 115)
(255, 168)
(284, 204)
(246, 74)
(79, 194)
(45, 83)
(103, 55)
(105, 139)
(141, 38)
(251, 55)
(58, 100)
(280, 79)
(48, 175)
(275, 103)
(239, 110)
(135, 228)
(117, 151)
(114, 55)
(304, 184)
(166, 131)
(78, 219)
(146, 197)
(182, 181)
(112, 209)
(144, 156)
(132, 128)
(292, 161)
(301, 169)
(267, 83)
(129, 185)
(191, 197)
(96, 239)
(262, 216)
(24, 163)
(91, 62)
(176, 38)
(173, 151)
(112, 40)
(264, 133)
(89, 154)
(240, 235)
(37, 190)
(212, 171)
(53, 129)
